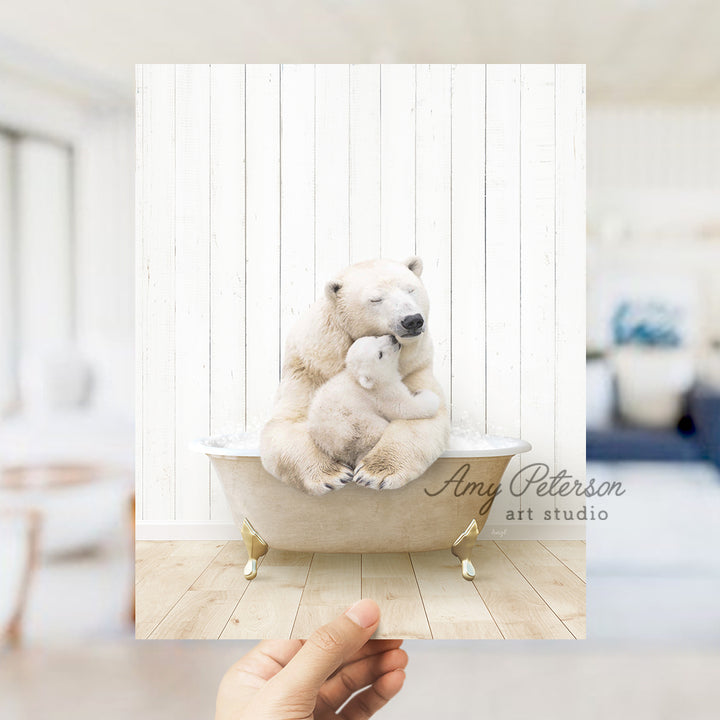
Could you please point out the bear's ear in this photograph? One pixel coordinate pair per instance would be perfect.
(366, 382)
(332, 289)
(415, 264)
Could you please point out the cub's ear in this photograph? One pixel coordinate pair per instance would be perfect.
(332, 289)
(366, 382)
(415, 264)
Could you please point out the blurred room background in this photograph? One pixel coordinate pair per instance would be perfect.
(653, 364)
(66, 347)
(67, 357)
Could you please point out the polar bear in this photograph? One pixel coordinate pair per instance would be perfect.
(350, 412)
(376, 297)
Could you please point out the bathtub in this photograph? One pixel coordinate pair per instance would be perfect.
(446, 507)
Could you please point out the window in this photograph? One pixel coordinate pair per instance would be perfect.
(37, 268)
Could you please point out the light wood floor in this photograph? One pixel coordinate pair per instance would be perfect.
(523, 589)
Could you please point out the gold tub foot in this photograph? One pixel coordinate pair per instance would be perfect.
(462, 548)
(256, 548)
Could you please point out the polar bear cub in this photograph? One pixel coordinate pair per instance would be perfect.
(350, 411)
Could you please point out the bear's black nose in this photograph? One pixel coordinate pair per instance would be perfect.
(413, 323)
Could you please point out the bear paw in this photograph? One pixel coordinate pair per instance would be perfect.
(327, 478)
(428, 402)
(367, 477)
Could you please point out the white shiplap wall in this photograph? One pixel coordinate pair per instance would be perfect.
(256, 183)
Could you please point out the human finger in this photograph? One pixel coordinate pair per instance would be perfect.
(365, 704)
(358, 675)
(328, 648)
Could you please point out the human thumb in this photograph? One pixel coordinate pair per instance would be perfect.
(328, 648)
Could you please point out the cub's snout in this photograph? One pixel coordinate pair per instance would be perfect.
(391, 344)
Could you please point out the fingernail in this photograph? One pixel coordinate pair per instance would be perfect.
(364, 613)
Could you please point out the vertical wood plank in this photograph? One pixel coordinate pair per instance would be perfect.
(192, 288)
(158, 279)
(332, 146)
(570, 274)
(537, 263)
(397, 166)
(227, 261)
(502, 280)
(263, 241)
(433, 240)
(298, 193)
(364, 162)
(468, 245)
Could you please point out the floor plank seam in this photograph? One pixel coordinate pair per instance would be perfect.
(184, 592)
(535, 590)
(152, 630)
(580, 577)
(487, 607)
(143, 577)
(570, 631)
(302, 595)
(422, 599)
(212, 559)
(242, 595)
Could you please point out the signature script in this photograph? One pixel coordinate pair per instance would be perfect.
(535, 476)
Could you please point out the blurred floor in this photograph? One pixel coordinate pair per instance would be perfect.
(653, 565)
(173, 680)
(82, 597)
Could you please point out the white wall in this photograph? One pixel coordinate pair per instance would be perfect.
(45, 263)
(255, 184)
(655, 169)
(104, 256)
(8, 334)
(654, 215)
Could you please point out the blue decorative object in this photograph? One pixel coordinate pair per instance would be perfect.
(652, 324)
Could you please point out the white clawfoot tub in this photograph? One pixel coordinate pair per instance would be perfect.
(446, 507)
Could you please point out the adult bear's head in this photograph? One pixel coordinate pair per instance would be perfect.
(381, 297)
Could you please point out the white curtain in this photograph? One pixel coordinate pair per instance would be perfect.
(8, 338)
